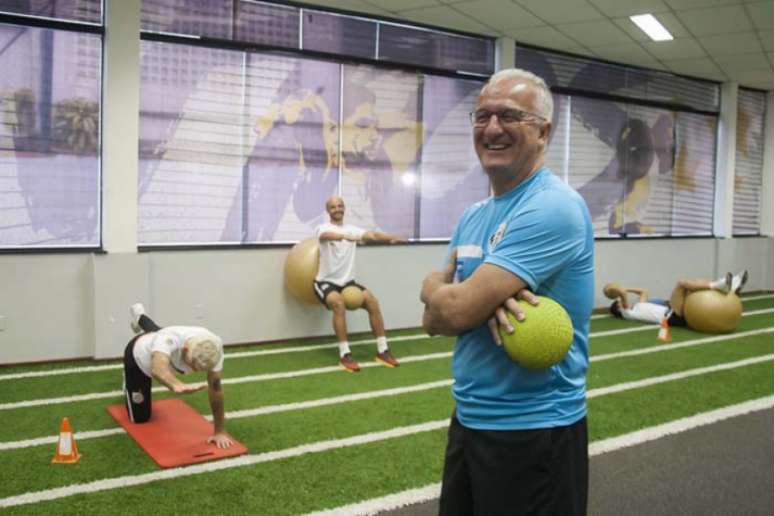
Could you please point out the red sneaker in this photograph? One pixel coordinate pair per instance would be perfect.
(349, 364)
(387, 359)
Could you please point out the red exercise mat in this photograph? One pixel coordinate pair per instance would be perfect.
(175, 435)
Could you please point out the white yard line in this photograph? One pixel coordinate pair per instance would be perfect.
(430, 356)
(299, 349)
(433, 491)
(269, 409)
(678, 345)
(228, 355)
(208, 467)
(625, 386)
(226, 381)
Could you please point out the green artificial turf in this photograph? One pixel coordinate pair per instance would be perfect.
(347, 475)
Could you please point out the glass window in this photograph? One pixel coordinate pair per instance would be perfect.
(588, 75)
(642, 170)
(267, 24)
(342, 35)
(208, 18)
(68, 10)
(49, 137)
(748, 179)
(402, 44)
(450, 173)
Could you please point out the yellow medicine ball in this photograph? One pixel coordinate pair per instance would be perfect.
(301, 265)
(353, 297)
(543, 338)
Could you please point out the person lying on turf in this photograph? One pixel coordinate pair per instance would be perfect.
(653, 310)
(158, 353)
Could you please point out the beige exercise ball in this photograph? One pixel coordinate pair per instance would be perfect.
(353, 297)
(711, 311)
(301, 266)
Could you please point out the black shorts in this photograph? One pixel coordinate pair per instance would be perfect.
(137, 387)
(525, 472)
(323, 288)
(676, 320)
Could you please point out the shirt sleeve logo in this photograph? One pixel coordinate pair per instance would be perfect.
(497, 236)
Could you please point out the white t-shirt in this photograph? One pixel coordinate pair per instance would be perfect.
(337, 257)
(645, 312)
(170, 342)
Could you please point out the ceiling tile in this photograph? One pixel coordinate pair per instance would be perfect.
(498, 14)
(569, 11)
(669, 21)
(767, 39)
(762, 14)
(731, 44)
(697, 67)
(595, 33)
(545, 37)
(689, 4)
(628, 53)
(735, 64)
(715, 20)
(619, 8)
(446, 17)
(685, 48)
(755, 78)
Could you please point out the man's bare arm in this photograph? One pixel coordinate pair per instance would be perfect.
(331, 235)
(453, 308)
(161, 370)
(379, 237)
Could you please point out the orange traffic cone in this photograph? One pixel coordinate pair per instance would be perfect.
(66, 450)
(663, 331)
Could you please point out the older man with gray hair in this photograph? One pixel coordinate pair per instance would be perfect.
(160, 353)
(517, 441)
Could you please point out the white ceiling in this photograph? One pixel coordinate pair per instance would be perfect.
(716, 39)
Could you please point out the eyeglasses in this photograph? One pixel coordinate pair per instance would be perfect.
(482, 117)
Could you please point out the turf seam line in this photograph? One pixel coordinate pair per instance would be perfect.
(298, 349)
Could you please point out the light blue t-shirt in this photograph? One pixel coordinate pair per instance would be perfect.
(540, 231)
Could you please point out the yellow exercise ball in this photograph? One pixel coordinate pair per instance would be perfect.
(353, 297)
(301, 266)
(711, 311)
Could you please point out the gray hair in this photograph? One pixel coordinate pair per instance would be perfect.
(206, 351)
(545, 102)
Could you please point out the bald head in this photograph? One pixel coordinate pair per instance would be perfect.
(335, 208)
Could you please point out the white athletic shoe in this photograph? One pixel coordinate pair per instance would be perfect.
(739, 281)
(135, 311)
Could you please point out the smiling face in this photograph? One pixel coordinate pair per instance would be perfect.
(335, 208)
(509, 152)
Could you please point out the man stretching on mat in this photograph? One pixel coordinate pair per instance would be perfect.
(160, 352)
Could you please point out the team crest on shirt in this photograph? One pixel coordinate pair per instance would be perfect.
(497, 236)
